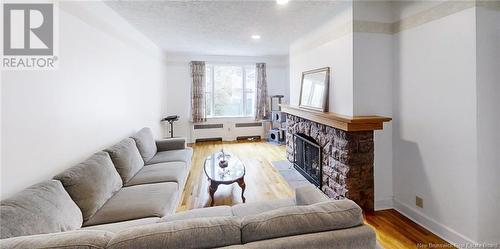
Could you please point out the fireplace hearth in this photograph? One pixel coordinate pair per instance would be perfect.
(307, 158)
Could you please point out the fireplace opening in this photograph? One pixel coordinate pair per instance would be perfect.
(307, 158)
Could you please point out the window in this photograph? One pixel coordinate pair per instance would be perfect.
(230, 90)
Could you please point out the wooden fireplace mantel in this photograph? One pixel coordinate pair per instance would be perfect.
(343, 122)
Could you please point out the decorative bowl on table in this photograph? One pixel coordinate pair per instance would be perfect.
(223, 157)
(223, 163)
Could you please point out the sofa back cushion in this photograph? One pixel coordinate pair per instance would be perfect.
(289, 221)
(208, 212)
(126, 158)
(78, 239)
(145, 143)
(42, 208)
(193, 233)
(91, 183)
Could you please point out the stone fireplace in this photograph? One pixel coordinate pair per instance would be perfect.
(347, 153)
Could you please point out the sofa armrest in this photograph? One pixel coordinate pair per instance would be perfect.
(171, 144)
(309, 194)
(71, 239)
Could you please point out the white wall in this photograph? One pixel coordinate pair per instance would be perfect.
(372, 95)
(327, 46)
(372, 87)
(434, 120)
(110, 83)
(488, 122)
(361, 78)
(179, 81)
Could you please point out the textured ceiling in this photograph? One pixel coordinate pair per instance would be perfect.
(224, 27)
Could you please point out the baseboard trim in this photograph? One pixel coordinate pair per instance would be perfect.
(443, 231)
(384, 204)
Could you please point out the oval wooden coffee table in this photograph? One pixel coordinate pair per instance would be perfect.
(234, 172)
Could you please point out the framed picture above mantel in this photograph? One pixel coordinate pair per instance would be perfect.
(314, 89)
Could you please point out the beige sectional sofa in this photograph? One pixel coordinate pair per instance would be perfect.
(125, 197)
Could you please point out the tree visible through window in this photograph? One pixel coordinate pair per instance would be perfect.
(230, 90)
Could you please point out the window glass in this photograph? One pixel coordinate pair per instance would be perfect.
(250, 84)
(230, 90)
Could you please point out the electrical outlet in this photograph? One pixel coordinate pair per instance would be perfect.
(419, 202)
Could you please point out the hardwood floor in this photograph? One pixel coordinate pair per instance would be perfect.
(396, 231)
(263, 182)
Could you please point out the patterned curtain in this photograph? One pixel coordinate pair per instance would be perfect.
(198, 114)
(261, 101)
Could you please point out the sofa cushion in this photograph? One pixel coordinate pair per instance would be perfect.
(145, 143)
(91, 183)
(288, 221)
(120, 226)
(183, 155)
(139, 201)
(209, 212)
(70, 240)
(42, 208)
(177, 143)
(160, 172)
(253, 208)
(194, 233)
(126, 158)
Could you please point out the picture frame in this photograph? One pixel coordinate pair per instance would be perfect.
(314, 89)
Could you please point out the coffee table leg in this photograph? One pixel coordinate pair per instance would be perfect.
(211, 190)
(241, 182)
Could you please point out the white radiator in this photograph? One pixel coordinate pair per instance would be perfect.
(227, 129)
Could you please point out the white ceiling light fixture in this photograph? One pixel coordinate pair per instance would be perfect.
(281, 2)
(256, 37)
